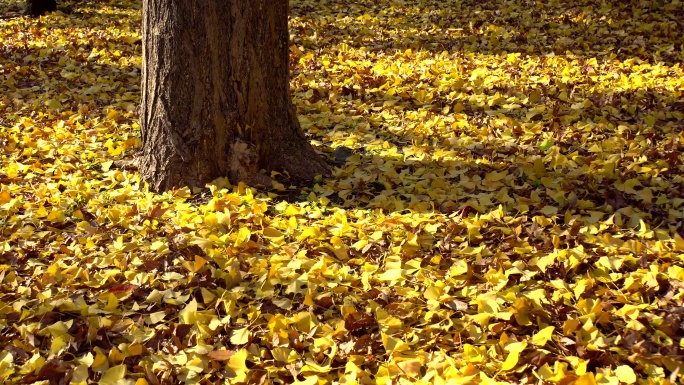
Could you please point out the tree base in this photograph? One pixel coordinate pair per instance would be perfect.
(301, 165)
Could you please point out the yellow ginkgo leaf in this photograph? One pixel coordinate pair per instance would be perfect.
(237, 363)
(5, 197)
(54, 104)
(514, 350)
(113, 375)
(189, 313)
(625, 374)
(543, 336)
(240, 336)
(678, 240)
(242, 237)
(393, 344)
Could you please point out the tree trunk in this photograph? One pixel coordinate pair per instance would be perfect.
(215, 94)
(39, 7)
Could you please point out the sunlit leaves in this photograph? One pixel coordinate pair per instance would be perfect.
(514, 350)
(113, 375)
(237, 363)
(240, 336)
(543, 336)
(508, 209)
(625, 374)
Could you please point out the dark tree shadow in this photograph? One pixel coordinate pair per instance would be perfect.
(494, 29)
(110, 9)
(389, 183)
(11, 8)
(609, 29)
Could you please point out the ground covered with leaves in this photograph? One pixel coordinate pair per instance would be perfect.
(507, 207)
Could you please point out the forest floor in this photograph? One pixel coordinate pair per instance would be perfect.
(512, 212)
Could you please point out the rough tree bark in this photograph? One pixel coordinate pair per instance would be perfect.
(39, 7)
(215, 94)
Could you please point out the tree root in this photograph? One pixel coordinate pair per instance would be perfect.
(302, 166)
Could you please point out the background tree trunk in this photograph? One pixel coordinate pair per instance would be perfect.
(215, 94)
(39, 7)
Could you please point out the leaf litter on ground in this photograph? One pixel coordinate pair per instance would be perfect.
(507, 206)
